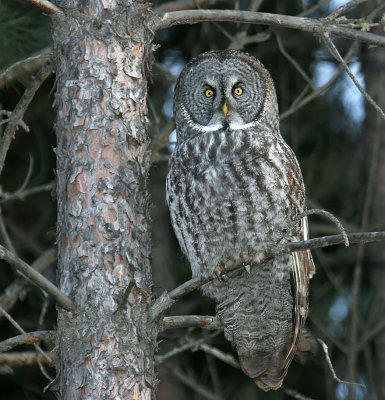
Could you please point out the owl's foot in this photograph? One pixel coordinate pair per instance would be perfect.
(247, 265)
(222, 272)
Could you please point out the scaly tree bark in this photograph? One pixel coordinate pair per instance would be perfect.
(105, 347)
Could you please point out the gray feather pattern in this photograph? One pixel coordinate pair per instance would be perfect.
(233, 184)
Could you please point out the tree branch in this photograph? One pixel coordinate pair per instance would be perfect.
(345, 7)
(13, 292)
(269, 250)
(21, 193)
(187, 321)
(335, 53)
(184, 5)
(194, 385)
(20, 109)
(62, 300)
(327, 357)
(25, 358)
(27, 66)
(25, 338)
(317, 26)
(46, 6)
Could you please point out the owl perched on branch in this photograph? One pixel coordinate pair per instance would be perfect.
(234, 184)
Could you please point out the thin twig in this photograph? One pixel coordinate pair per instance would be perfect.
(313, 9)
(25, 358)
(20, 109)
(224, 357)
(294, 394)
(341, 346)
(326, 214)
(335, 53)
(296, 106)
(345, 7)
(380, 326)
(22, 194)
(191, 344)
(185, 5)
(28, 65)
(42, 282)
(292, 60)
(21, 330)
(43, 311)
(166, 300)
(327, 357)
(46, 6)
(317, 26)
(26, 338)
(187, 321)
(13, 292)
(4, 234)
(194, 385)
(28, 176)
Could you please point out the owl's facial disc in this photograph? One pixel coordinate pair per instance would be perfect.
(222, 94)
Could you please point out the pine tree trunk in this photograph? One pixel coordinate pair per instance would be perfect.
(106, 347)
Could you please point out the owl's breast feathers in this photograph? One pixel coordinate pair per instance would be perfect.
(228, 192)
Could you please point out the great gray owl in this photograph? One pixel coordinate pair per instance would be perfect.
(233, 184)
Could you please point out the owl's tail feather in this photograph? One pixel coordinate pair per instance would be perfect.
(255, 364)
(269, 370)
(260, 367)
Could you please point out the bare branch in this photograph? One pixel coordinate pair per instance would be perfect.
(185, 5)
(20, 194)
(293, 61)
(4, 234)
(269, 250)
(46, 6)
(317, 26)
(313, 9)
(25, 358)
(325, 349)
(191, 343)
(345, 7)
(26, 338)
(62, 300)
(224, 357)
(371, 334)
(28, 65)
(187, 321)
(20, 109)
(298, 103)
(326, 214)
(294, 394)
(13, 291)
(21, 330)
(335, 53)
(194, 385)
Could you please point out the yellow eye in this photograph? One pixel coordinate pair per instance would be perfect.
(209, 93)
(238, 91)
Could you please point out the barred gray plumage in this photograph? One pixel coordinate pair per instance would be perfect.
(233, 184)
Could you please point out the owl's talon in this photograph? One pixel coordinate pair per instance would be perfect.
(247, 266)
(221, 273)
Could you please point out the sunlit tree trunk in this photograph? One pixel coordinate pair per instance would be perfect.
(106, 347)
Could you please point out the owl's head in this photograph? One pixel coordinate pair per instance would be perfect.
(225, 89)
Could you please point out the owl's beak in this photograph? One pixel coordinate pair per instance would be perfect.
(225, 109)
